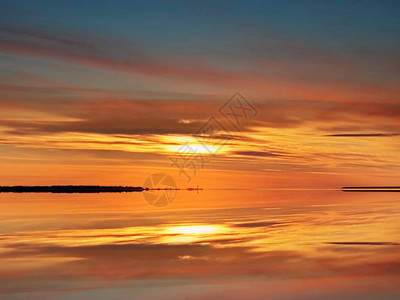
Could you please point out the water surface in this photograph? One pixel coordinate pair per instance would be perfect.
(239, 244)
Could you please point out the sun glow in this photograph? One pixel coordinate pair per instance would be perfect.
(189, 144)
(193, 230)
(192, 233)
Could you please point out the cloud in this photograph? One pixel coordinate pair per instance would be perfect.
(256, 224)
(257, 153)
(95, 52)
(38, 113)
(279, 66)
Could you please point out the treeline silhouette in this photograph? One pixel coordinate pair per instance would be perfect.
(70, 189)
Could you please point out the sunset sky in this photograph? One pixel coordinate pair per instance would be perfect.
(104, 92)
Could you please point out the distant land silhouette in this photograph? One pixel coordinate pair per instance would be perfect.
(129, 189)
(81, 189)
(371, 189)
(70, 189)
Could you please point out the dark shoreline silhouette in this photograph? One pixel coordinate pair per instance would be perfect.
(129, 189)
(81, 189)
(371, 189)
(70, 189)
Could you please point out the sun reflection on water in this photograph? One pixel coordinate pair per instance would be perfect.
(191, 233)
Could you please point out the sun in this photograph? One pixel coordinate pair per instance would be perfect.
(193, 230)
(188, 145)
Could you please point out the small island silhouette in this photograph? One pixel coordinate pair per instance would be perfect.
(81, 189)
